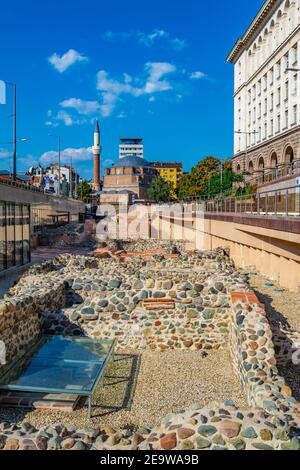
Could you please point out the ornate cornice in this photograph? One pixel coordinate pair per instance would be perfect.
(259, 21)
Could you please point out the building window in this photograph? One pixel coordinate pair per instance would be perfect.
(266, 106)
(295, 84)
(271, 101)
(286, 91)
(265, 130)
(271, 76)
(294, 53)
(265, 82)
(295, 109)
(259, 87)
(286, 119)
(286, 61)
(278, 97)
(259, 110)
(271, 127)
(277, 70)
(278, 123)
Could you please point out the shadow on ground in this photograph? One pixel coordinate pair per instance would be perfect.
(284, 346)
(116, 392)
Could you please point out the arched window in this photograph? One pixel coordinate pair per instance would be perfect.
(289, 155)
(274, 160)
(251, 167)
(238, 169)
(261, 164)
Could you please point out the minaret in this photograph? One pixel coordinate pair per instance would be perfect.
(97, 153)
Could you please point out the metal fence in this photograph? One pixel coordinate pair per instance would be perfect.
(48, 218)
(273, 174)
(280, 202)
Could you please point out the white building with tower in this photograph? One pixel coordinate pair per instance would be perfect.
(267, 92)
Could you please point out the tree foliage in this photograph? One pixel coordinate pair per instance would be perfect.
(84, 191)
(208, 178)
(159, 190)
(193, 184)
(222, 182)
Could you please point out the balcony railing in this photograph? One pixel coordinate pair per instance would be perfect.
(282, 202)
(272, 174)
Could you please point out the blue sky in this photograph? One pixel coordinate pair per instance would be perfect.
(155, 69)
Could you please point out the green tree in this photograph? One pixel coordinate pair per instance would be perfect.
(159, 190)
(84, 191)
(193, 184)
(222, 182)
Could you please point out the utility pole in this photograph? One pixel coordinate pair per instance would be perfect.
(71, 178)
(14, 141)
(58, 141)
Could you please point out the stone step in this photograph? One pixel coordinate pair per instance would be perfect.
(39, 401)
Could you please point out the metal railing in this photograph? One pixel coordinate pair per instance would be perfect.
(281, 202)
(15, 184)
(29, 187)
(272, 174)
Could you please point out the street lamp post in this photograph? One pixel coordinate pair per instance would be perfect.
(15, 133)
(247, 135)
(71, 178)
(14, 116)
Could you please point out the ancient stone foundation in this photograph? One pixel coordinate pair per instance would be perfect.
(169, 299)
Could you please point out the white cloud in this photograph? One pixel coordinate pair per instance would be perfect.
(112, 89)
(65, 117)
(62, 63)
(147, 39)
(4, 153)
(51, 124)
(156, 71)
(197, 75)
(77, 154)
(122, 115)
(82, 107)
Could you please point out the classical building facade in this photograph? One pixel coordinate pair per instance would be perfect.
(267, 90)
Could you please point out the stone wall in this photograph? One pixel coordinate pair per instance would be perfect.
(253, 355)
(205, 289)
(20, 316)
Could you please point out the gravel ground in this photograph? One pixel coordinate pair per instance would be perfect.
(141, 389)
